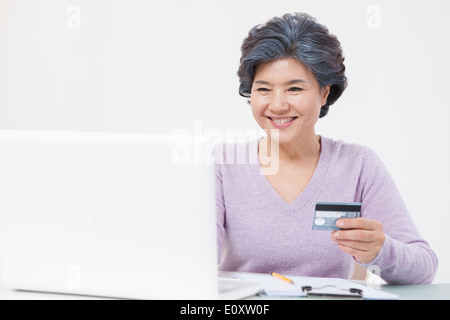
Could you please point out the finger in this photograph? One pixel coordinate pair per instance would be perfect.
(352, 251)
(354, 235)
(356, 245)
(357, 223)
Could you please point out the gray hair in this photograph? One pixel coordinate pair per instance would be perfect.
(299, 36)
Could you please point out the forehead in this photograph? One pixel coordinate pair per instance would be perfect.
(283, 70)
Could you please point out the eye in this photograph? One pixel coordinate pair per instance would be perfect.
(295, 89)
(262, 91)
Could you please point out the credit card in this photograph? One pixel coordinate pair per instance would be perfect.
(327, 213)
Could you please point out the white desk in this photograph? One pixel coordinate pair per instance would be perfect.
(405, 292)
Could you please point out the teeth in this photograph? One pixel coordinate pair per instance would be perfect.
(283, 120)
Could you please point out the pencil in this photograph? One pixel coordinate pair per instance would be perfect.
(279, 276)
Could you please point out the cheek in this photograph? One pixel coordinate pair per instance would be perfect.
(307, 106)
(258, 108)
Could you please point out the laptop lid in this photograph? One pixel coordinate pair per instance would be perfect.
(108, 214)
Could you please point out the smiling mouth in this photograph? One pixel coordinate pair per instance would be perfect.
(282, 120)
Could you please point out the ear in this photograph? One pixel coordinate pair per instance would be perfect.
(324, 92)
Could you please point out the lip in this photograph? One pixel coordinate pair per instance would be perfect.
(281, 125)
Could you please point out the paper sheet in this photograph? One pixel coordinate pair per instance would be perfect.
(276, 287)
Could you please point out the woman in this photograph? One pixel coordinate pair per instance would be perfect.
(292, 71)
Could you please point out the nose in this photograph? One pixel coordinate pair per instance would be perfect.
(278, 101)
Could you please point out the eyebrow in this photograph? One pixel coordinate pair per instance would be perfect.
(290, 82)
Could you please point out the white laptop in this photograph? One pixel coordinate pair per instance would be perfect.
(109, 214)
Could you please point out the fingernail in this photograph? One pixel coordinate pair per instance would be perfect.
(340, 223)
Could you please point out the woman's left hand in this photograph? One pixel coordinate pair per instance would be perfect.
(362, 238)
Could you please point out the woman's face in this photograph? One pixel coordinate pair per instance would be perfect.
(286, 96)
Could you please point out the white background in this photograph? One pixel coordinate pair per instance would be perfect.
(159, 66)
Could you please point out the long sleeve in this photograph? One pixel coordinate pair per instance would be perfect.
(405, 258)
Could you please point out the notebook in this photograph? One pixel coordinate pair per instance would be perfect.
(110, 214)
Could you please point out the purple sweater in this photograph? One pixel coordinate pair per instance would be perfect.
(260, 232)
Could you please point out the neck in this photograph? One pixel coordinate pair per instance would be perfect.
(300, 150)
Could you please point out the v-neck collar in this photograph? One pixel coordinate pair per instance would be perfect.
(307, 195)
